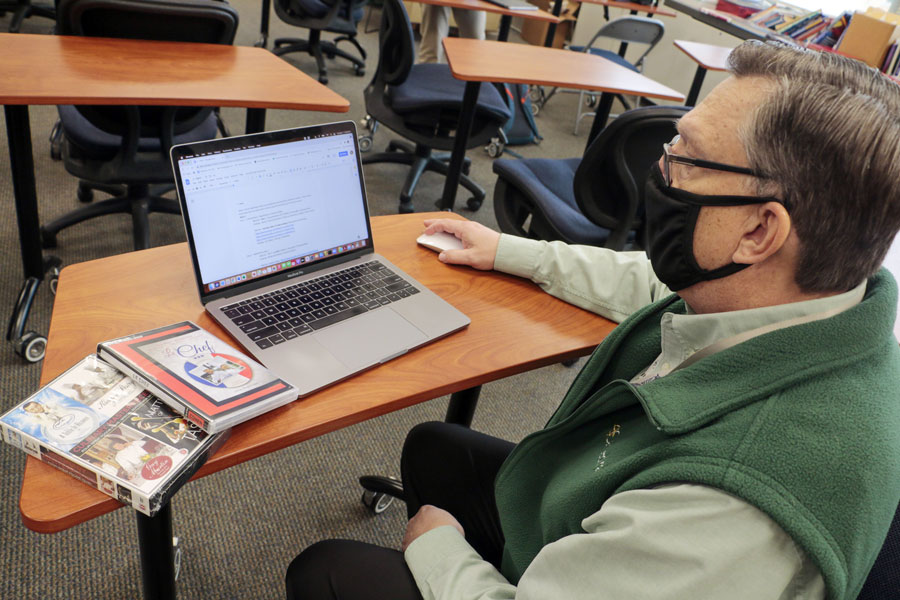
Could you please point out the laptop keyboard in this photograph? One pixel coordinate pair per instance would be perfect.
(296, 310)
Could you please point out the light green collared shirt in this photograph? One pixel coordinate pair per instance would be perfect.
(672, 541)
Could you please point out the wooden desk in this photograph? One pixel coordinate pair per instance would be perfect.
(632, 7)
(507, 15)
(515, 327)
(535, 65)
(707, 57)
(47, 69)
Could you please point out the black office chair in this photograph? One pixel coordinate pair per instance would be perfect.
(124, 150)
(422, 103)
(23, 9)
(594, 200)
(883, 581)
(334, 16)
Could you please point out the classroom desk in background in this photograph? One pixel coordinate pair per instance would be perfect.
(535, 65)
(506, 14)
(51, 69)
(707, 57)
(119, 295)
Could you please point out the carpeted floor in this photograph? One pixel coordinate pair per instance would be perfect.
(240, 527)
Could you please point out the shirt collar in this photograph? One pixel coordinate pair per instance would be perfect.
(685, 334)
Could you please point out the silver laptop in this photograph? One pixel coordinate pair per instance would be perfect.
(282, 250)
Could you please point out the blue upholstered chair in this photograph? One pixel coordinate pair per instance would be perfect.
(594, 200)
(124, 150)
(333, 16)
(422, 103)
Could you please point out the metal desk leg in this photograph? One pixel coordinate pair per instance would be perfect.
(466, 116)
(157, 556)
(695, 87)
(462, 406)
(264, 25)
(601, 116)
(551, 28)
(503, 32)
(18, 131)
(256, 120)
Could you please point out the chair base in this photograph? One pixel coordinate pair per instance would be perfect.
(317, 47)
(420, 159)
(135, 199)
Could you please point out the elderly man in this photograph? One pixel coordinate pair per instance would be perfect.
(737, 439)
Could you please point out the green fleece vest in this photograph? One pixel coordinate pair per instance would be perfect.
(802, 422)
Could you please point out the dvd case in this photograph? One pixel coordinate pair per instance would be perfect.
(211, 383)
(101, 427)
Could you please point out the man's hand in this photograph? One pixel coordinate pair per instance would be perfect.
(479, 242)
(429, 517)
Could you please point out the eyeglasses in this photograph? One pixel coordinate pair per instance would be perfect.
(669, 157)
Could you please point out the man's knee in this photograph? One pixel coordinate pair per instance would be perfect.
(309, 573)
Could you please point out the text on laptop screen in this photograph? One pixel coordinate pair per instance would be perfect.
(258, 210)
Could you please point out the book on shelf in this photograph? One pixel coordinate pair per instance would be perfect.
(212, 384)
(103, 428)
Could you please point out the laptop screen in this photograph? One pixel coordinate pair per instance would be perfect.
(269, 206)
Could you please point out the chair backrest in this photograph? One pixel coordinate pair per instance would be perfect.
(883, 580)
(609, 181)
(208, 21)
(632, 29)
(396, 45)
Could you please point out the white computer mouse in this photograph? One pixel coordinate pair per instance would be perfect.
(440, 241)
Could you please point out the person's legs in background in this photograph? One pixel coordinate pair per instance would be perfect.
(463, 484)
(435, 26)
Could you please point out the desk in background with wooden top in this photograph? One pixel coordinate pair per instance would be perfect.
(515, 327)
(50, 69)
(535, 65)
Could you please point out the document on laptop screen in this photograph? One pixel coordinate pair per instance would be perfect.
(256, 207)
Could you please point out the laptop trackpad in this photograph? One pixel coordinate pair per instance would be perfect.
(370, 338)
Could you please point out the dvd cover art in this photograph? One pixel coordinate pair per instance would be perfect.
(74, 405)
(101, 427)
(192, 366)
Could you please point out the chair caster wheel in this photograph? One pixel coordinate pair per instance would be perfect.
(495, 149)
(31, 346)
(85, 194)
(376, 501)
(323, 79)
(365, 143)
(535, 109)
(48, 239)
(406, 208)
(473, 203)
(53, 279)
(176, 555)
(360, 71)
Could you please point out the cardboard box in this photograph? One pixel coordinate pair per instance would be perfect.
(867, 39)
(535, 32)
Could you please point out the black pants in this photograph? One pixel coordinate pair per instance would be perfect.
(448, 466)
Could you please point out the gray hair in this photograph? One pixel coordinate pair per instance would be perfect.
(827, 140)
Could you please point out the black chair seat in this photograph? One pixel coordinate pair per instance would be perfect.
(547, 183)
(97, 144)
(432, 88)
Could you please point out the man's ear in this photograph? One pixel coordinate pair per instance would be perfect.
(765, 231)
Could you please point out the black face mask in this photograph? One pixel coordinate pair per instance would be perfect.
(671, 215)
